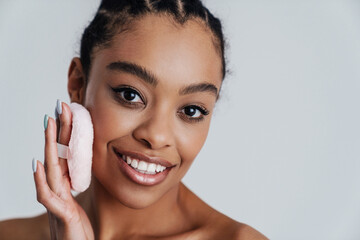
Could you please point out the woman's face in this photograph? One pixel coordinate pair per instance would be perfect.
(151, 95)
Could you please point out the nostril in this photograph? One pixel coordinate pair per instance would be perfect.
(146, 142)
(153, 136)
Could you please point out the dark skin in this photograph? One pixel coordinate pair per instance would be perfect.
(167, 121)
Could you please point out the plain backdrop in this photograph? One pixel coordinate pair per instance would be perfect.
(284, 148)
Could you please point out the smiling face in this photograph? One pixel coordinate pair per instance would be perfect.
(151, 95)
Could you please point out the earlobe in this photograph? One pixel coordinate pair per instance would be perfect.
(76, 81)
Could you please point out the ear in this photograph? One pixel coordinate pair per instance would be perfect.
(76, 81)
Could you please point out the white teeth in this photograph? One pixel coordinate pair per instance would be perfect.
(128, 160)
(144, 167)
(160, 168)
(151, 167)
(134, 163)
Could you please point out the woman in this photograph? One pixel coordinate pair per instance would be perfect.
(149, 73)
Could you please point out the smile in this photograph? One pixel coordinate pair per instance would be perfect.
(141, 169)
(142, 166)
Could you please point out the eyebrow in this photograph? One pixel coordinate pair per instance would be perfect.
(149, 77)
(134, 69)
(199, 87)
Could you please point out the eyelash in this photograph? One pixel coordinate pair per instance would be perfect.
(199, 108)
(119, 90)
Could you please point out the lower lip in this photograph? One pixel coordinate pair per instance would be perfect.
(141, 178)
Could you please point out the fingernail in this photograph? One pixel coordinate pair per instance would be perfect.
(34, 165)
(46, 119)
(58, 110)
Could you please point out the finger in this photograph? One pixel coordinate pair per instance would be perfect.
(65, 124)
(57, 120)
(65, 127)
(45, 195)
(53, 168)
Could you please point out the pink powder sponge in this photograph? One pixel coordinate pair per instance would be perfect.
(79, 152)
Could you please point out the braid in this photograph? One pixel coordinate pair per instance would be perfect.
(114, 17)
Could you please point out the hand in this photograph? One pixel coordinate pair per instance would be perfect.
(67, 219)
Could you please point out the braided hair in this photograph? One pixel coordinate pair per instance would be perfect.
(115, 16)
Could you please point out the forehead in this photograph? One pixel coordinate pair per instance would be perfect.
(184, 54)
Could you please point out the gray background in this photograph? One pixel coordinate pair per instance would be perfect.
(283, 150)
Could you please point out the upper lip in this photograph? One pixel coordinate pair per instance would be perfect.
(143, 157)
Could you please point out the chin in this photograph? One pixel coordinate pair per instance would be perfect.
(137, 202)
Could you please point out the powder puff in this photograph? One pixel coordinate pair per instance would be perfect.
(80, 148)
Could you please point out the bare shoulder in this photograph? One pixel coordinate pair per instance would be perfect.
(25, 228)
(223, 227)
(212, 224)
(245, 232)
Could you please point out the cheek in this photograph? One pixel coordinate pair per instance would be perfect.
(190, 142)
(111, 123)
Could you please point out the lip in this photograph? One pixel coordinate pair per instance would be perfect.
(141, 178)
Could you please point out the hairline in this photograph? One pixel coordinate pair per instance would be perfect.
(130, 26)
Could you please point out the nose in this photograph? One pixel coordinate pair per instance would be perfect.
(155, 132)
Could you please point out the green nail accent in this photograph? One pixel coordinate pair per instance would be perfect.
(46, 119)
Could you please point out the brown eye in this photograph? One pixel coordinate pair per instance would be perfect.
(192, 111)
(128, 95)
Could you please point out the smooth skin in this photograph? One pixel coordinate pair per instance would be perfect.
(162, 119)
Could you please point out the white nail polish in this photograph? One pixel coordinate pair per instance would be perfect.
(34, 165)
(59, 107)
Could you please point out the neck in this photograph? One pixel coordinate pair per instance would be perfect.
(110, 218)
